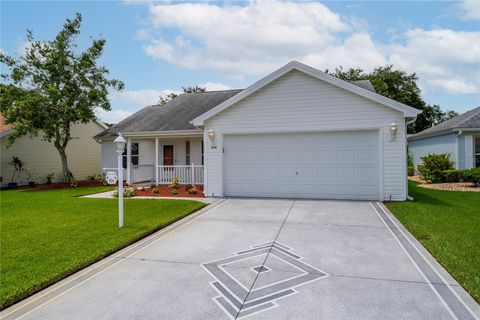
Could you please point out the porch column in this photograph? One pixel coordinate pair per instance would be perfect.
(129, 161)
(156, 160)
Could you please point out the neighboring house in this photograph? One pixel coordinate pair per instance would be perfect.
(296, 133)
(41, 158)
(459, 136)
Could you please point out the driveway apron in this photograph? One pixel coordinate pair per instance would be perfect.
(263, 259)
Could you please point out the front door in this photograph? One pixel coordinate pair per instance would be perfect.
(168, 155)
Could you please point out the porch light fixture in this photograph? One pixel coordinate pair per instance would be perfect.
(211, 134)
(120, 143)
(393, 130)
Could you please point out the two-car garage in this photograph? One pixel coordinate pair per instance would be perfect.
(328, 165)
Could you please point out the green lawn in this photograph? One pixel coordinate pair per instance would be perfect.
(47, 235)
(447, 223)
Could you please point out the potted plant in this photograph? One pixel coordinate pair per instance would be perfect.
(17, 165)
(32, 181)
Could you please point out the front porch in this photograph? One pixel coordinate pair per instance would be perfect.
(159, 158)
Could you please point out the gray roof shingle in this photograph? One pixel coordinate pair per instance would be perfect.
(467, 120)
(365, 84)
(174, 115)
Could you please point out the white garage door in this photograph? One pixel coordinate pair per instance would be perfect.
(336, 165)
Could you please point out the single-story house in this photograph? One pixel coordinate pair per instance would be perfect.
(298, 132)
(41, 158)
(459, 136)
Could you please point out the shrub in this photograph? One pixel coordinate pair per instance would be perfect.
(155, 190)
(101, 178)
(74, 183)
(50, 178)
(472, 175)
(192, 190)
(410, 166)
(128, 191)
(432, 167)
(175, 184)
(152, 185)
(174, 191)
(92, 177)
(453, 175)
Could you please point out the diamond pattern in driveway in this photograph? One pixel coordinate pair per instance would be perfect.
(261, 259)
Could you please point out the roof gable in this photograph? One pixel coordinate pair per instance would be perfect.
(294, 65)
(467, 120)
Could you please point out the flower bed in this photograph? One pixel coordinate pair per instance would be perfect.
(447, 186)
(164, 191)
(63, 185)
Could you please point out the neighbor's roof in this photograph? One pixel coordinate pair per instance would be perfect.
(174, 115)
(3, 126)
(365, 84)
(467, 120)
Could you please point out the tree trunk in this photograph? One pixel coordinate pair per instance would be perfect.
(67, 174)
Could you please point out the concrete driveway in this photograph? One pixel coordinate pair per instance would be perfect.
(263, 259)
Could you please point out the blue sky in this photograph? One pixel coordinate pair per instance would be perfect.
(159, 47)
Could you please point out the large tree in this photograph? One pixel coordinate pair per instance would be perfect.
(53, 86)
(401, 87)
(173, 95)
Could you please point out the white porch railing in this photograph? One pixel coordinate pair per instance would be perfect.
(186, 174)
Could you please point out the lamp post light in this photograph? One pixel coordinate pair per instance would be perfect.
(120, 147)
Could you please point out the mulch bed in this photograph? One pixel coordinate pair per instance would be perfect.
(165, 191)
(63, 185)
(448, 186)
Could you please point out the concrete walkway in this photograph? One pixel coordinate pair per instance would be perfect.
(109, 194)
(263, 259)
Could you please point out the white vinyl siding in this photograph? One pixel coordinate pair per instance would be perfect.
(297, 102)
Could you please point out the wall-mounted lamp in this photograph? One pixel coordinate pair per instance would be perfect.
(393, 130)
(211, 135)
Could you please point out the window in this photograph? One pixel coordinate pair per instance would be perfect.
(134, 155)
(202, 153)
(477, 152)
(187, 152)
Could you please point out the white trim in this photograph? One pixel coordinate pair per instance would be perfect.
(294, 65)
(156, 161)
(380, 165)
(129, 161)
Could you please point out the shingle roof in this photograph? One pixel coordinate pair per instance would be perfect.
(174, 115)
(467, 120)
(365, 84)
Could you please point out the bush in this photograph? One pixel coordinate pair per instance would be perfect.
(155, 190)
(453, 175)
(128, 191)
(152, 185)
(175, 184)
(50, 178)
(433, 165)
(472, 175)
(101, 178)
(174, 191)
(410, 166)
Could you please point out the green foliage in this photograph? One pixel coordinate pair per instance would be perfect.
(18, 168)
(175, 184)
(153, 185)
(155, 189)
(52, 86)
(172, 95)
(447, 223)
(410, 166)
(433, 166)
(401, 87)
(128, 191)
(64, 233)
(472, 175)
(454, 175)
(50, 177)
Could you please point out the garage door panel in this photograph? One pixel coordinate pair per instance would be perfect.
(341, 165)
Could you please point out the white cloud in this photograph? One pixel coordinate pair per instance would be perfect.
(255, 38)
(444, 59)
(470, 9)
(112, 116)
(214, 86)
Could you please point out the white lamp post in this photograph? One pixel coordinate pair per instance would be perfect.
(120, 147)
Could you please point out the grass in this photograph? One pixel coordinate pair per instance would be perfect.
(447, 223)
(47, 235)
